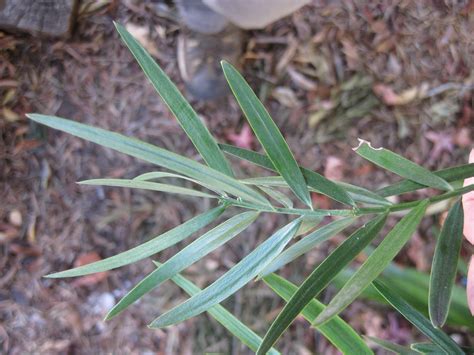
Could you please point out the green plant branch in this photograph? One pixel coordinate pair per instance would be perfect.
(218, 176)
(345, 212)
(407, 205)
(228, 201)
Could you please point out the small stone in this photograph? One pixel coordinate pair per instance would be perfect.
(48, 18)
(15, 218)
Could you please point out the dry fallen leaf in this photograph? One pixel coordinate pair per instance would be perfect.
(418, 253)
(10, 115)
(142, 35)
(462, 137)
(93, 279)
(352, 55)
(301, 80)
(442, 142)
(334, 169)
(244, 139)
(320, 201)
(389, 97)
(286, 96)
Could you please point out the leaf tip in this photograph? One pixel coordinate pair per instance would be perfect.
(110, 315)
(116, 24)
(320, 320)
(34, 116)
(156, 324)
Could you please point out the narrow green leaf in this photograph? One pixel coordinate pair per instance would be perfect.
(223, 316)
(146, 185)
(248, 155)
(146, 249)
(308, 223)
(404, 279)
(430, 348)
(313, 179)
(363, 195)
(153, 175)
(267, 133)
(326, 187)
(320, 278)
(184, 258)
(417, 319)
(357, 193)
(375, 263)
(233, 280)
(184, 113)
(444, 266)
(275, 181)
(277, 196)
(427, 348)
(338, 332)
(307, 243)
(152, 154)
(401, 166)
(395, 348)
(451, 174)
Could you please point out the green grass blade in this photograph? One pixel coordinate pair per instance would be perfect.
(275, 181)
(401, 166)
(308, 223)
(146, 185)
(444, 266)
(404, 279)
(417, 319)
(267, 133)
(249, 155)
(320, 278)
(427, 348)
(430, 348)
(307, 243)
(375, 263)
(146, 249)
(223, 316)
(337, 331)
(395, 348)
(153, 175)
(233, 280)
(184, 258)
(357, 193)
(281, 198)
(313, 179)
(451, 174)
(186, 116)
(363, 195)
(152, 154)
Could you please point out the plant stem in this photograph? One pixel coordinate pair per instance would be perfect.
(411, 204)
(345, 212)
(295, 211)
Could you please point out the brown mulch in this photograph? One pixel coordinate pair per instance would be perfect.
(399, 74)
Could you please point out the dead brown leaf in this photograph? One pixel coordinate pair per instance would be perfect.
(142, 35)
(244, 139)
(93, 279)
(334, 169)
(389, 97)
